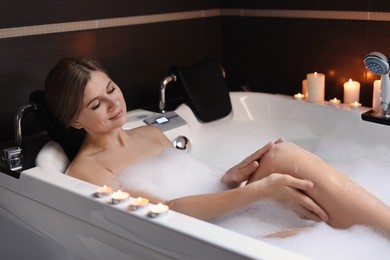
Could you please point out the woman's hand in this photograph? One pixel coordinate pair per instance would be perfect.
(289, 191)
(244, 170)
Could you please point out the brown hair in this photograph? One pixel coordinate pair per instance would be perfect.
(65, 85)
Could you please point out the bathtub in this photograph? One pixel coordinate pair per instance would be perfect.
(45, 214)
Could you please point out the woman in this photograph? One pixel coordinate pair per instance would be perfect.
(80, 94)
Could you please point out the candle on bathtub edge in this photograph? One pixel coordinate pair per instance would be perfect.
(376, 102)
(299, 97)
(158, 210)
(315, 87)
(335, 102)
(304, 87)
(355, 105)
(103, 191)
(139, 203)
(119, 197)
(351, 91)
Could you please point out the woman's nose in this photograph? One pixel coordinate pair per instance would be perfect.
(111, 103)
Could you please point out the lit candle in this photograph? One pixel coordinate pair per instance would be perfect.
(119, 197)
(299, 97)
(158, 210)
(355, 105)
(315, 87)
(304, 87)
(103, 191)
(376, 102)
(351, 91)
(139, 203)
(334, 102)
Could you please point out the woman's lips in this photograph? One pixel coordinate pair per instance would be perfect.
(117, 115)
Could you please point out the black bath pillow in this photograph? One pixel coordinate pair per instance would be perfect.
(70, 139)
(204, 89)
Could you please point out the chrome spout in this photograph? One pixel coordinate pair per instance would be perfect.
(163, 85)
(18, 122)
(13, 156)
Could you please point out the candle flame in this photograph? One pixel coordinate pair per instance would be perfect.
(315, 74)
(350, 81)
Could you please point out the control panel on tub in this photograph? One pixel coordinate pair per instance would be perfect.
(170, 123)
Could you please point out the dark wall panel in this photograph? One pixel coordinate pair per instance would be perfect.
(143, 55)
(25, 13)
(274, 55)
(24, 65)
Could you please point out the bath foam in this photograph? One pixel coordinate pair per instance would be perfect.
(365, 161)
(324, 242)
(171, 175)
(351, 156)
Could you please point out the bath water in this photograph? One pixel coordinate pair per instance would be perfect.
(214, 151)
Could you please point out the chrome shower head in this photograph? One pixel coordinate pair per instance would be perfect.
(377, 63)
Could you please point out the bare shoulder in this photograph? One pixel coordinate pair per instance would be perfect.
(86, 168)
(151, 133)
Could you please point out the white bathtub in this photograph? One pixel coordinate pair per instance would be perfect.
(47, 215)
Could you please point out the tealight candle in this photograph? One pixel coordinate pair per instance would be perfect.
(119, 197)
(158, 210)
(334, 102)
(315, 87)
(355, 105)
(299, 97)
(139, 203)
(351, 91)
(103, 191)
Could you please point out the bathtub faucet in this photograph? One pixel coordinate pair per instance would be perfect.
(13, 156)
(163, 85)
(378, 63)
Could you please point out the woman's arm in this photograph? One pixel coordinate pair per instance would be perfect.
(301, 204)
(209, 206)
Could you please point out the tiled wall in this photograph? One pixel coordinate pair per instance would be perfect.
(258, 42)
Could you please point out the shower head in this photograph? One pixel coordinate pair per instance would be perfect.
(377, 63)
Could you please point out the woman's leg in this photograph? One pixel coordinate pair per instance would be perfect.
(345, 202)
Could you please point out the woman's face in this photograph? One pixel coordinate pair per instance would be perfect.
(104, 107)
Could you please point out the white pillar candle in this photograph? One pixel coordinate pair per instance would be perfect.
(315, 87)
(376, 102)
(351, 91)
(304, 87)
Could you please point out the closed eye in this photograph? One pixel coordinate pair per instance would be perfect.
(96, 106)
(111, 90)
